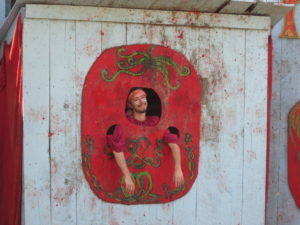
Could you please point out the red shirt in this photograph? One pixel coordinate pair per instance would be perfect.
(148, 122)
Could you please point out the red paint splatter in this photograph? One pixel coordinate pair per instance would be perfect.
(50, 134)
(62, 195)
(196, 12)
(180, 35)
(251, 156)
(78, 79)
(53, 166)
(165, 43)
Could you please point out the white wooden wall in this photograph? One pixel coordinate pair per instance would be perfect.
(228, 52)
(286, 82)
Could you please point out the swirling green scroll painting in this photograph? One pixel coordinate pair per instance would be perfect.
(144, 191)
(144, 61)
(135, 160)
(143, 179)
(144, 194)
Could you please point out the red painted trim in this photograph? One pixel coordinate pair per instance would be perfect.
(270, 46)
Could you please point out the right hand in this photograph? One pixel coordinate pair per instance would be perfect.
(129, 184)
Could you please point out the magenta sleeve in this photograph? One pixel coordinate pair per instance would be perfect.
(170, 138)
(117, 140)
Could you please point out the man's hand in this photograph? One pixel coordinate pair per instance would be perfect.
(129, 184)
(178, 178)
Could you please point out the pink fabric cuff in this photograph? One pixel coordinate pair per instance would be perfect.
(117, 140)
(170, 138)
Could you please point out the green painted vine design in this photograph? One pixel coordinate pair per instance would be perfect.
(145, 61)
(191, 156)
(144, 194)
(143, 180)
(294, 122)
(136, 161)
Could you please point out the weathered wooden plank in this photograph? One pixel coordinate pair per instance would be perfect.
(237, 6)
(88, 48)
(209, 171)
(232, 127)
(62, 123)
(220, 179)
(147, 17)
(200, 5)
(275, 142)
(274, 9)
(36, 162)
(254, 171)
(183, 40)
(211, 6)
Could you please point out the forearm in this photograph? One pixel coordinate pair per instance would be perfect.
(178, 175)
(129, 183)
(176, 155)
(121, 162)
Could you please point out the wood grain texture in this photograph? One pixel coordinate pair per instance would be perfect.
(63, 123)
(36, 145)
(275, 148)
(211, 6)
(232, 64)
(88, 48)
(147, 17)
(255, 122)
(237, 6)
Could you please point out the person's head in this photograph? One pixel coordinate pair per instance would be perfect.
(137, 101)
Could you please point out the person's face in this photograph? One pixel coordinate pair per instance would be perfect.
(139, 102)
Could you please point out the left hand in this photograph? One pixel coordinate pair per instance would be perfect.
(178, 178)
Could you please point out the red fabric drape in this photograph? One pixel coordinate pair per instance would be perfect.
(11, 133)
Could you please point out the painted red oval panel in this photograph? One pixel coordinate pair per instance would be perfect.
(294, 153)
(169, 74)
